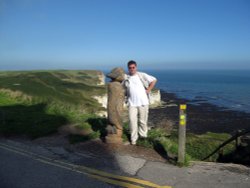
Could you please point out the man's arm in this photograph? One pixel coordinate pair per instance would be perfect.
(151, 86)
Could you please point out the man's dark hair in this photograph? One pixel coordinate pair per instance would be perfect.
(132, 62)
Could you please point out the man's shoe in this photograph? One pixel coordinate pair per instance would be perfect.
(133, 143)
(150, 127)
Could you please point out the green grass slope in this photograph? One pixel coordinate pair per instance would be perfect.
(36, 103)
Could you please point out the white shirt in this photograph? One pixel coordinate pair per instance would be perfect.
(137, 92)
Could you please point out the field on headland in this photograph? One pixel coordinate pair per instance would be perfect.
(37, 103)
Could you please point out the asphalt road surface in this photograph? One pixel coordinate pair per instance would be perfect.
(27, 165)
(17, 171)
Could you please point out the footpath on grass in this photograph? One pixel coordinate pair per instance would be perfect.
(126, 166)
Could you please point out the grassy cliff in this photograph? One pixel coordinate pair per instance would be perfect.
(37, 103)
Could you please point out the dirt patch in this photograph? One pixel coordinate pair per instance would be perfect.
(98, 148)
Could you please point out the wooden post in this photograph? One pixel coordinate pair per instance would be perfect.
(182, 134)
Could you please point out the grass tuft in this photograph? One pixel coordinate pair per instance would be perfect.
(197, 146)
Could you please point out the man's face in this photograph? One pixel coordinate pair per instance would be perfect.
(132, 69)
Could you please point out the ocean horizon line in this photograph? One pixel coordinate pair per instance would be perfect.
(107, 69)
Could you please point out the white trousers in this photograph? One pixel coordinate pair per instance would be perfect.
(142, 127)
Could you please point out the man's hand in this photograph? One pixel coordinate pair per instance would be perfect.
(151, 86)
(148, 91)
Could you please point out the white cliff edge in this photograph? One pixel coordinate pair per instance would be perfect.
(101, 79)
(155, 98)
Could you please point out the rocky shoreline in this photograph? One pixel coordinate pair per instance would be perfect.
(202, 116)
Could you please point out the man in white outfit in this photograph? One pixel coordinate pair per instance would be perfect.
(138, 86)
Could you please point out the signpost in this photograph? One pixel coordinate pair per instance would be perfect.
(182, 134)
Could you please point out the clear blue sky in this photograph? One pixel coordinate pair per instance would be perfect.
(96, 34)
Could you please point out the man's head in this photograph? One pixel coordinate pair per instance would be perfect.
(132, 67)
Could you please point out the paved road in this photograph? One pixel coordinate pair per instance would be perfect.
(31, 165)
(18, 171)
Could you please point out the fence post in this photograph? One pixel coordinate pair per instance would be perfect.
(182, 134)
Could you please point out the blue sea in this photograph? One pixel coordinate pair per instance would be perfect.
(224, 88)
